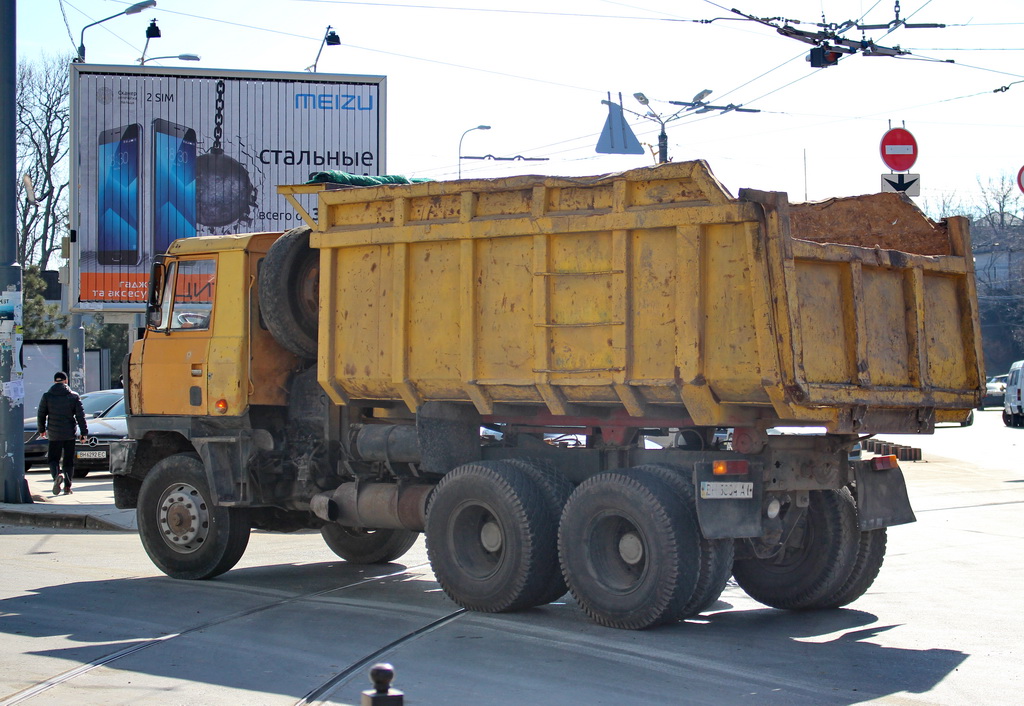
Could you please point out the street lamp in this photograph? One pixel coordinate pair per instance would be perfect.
(132, 10)
(478, 127)
(152, 32)
(331, 39)
(179, 57)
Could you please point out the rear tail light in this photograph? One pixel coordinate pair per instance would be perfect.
(884, 463)
(730, 468)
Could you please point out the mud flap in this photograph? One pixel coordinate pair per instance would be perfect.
(882, 499)
(448, 435)
(122, 456)
(224, 458)
(724, 517)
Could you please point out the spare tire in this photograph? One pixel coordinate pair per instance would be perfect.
(289, 291)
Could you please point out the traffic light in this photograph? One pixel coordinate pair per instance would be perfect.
(823, 57)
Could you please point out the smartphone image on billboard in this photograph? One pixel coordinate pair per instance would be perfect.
(174, 183)
(118, 195)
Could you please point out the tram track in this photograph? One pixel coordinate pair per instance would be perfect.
(315, 695)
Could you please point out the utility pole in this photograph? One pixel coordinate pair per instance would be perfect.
(12, 393)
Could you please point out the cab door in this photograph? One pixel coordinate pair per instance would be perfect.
(176, 350)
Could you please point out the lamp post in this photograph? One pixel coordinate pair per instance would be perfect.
(179, 57)
(662, 136)
(331, 39)
(478, 127)
(13, 486)
(132, 10)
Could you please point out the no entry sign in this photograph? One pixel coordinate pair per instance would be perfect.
(899, 149)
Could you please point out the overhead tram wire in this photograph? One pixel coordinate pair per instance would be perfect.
(531, 79)
(503, 11)
(124, 41)
(67, 24)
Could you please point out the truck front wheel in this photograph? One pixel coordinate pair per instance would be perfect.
(184, 533)
(362, 546)
(814, 566)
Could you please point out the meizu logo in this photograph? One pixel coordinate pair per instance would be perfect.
(328, 101)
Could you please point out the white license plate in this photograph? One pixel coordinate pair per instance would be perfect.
(725, 490)
(91, 454)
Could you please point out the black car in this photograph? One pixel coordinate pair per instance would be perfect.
(104, 411)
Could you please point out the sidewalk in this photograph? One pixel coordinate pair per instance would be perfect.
(90, 506)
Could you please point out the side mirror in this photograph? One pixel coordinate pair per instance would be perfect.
(154, 312)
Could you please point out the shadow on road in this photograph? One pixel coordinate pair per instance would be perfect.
(288, 620)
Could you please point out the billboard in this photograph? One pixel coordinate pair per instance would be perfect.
(160, 154)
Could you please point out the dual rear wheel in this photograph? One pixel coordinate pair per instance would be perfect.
(509, 535)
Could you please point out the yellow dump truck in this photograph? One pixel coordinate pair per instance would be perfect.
(489, 362)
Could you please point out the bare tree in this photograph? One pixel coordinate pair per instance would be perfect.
(43, 140)
(1001, 204)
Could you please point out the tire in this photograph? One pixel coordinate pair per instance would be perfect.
(716, 555)
(555, 490)
(870, 555)
(490, 539)
(289, 292)
(80, 473)
(360, 546)
(185, 535)
(1008, 419)
(805, 576)
(630, 559)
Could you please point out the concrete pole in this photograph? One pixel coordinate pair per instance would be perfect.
(12, 393)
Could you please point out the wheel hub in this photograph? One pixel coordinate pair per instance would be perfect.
(184, 518)
(490, 536)
(631, 548)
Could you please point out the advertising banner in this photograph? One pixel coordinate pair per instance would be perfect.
(160, 154)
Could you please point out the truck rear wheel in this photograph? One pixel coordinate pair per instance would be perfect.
(289, 292)
(184, 533)
(628, 554)
(490, 540)
(362, 546)
(816, 565)
(555, 490)
(716, 555)
(870, 555)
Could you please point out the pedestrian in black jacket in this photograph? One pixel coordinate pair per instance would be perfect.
(59, 411)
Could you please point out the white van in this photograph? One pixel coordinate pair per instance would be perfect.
(1013, 401)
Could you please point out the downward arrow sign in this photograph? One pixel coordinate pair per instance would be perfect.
(901, 184)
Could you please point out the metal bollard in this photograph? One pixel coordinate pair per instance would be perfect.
(382, 694)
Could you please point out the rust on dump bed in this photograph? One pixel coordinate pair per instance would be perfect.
(889, 221)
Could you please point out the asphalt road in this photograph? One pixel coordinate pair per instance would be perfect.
(84, 616)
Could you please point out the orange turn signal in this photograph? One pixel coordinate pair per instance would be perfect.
(221, 406)
(730, 468)
(884, 463)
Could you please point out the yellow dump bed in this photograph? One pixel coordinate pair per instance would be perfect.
(652, 293)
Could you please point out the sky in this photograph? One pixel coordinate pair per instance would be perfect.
(537, 73)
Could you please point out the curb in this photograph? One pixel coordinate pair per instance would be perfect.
(59, 521)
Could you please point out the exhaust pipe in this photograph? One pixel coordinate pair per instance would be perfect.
(374, 505)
